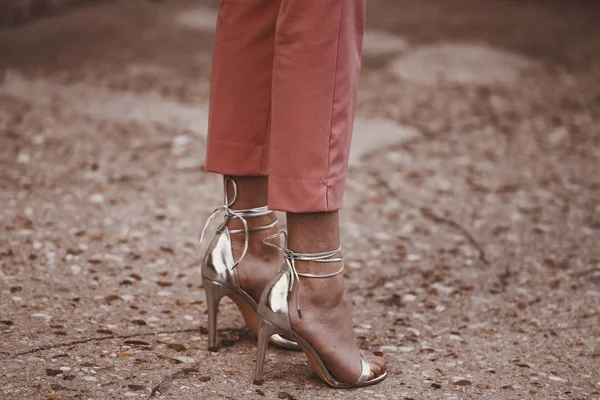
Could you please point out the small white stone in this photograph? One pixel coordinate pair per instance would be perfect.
(414, 331)
(113, 257)
(413, 257)
(556, 378)
(41, 315)
(405, 349)
(180, 143)
(23, 158)
(442, 288)
(97, 198)
(389, 348)
(90, 378)
(408, 298)
(353, 265)
(75, 269)
(65, 368)
(188, 317)
(164, 293)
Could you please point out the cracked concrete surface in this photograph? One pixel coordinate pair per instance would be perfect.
(471, 222)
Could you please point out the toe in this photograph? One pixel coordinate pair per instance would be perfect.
(379, 360)
(378, 365)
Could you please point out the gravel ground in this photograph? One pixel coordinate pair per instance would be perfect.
(471, 224)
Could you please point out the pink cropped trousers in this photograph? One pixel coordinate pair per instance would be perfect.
(283, 94)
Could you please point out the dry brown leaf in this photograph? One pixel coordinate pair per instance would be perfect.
(177, 347)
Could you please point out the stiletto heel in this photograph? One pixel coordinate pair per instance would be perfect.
(274, 314)
(265, 331)
(219, 269)
(214, 293)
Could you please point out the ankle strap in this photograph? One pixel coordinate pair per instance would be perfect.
(239, 214)
(250, 213)
(323, 257)
(291, 256)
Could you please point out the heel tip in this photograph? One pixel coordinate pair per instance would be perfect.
(258, 382)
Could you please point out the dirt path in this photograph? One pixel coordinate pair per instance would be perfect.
(471, 225)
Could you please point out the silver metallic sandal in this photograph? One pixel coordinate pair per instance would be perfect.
(274, 315)
(219, 269)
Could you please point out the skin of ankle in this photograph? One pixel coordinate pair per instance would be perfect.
(252, 191)
(313, 232)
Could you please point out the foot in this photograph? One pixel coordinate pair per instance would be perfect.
(261, 262)
(326, 323)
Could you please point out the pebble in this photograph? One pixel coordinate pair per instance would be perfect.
(23, 158)
(408, 298)
(390, 348)
(556, 378)
(405, 349)
(97, 198)
(75, 269)
(413, 257)
(41, 315)
(460, 381)
(414, 331)
(90, 378)
(442, 288)
(180, 144)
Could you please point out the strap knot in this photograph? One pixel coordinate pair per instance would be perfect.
(238, 214)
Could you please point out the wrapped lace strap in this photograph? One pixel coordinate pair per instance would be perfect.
(238, 214)
(292, 257)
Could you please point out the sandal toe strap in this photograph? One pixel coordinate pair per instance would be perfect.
(365, 372)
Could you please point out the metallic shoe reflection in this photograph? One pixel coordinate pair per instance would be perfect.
(219, 274)
(274, 315)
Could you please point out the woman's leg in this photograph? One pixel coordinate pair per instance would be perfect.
(318, 49)
(239, 124)
(240, 88)
(317, 62)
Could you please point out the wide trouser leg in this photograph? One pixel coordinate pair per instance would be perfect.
(318, 47)
(240, 93)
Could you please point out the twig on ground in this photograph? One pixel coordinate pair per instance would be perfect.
(100, 338)
(430, 215)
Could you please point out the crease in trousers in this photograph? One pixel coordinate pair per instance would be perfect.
(283, 92)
